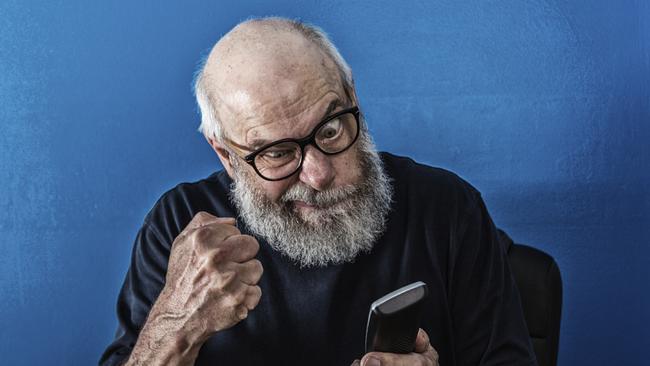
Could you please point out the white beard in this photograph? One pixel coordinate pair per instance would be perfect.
(348, 220)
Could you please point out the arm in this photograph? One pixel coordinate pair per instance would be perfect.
(210, 285)
(489, 325)
(166, 339)
(142, 285)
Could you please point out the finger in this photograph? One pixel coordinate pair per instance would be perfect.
(356, 363)
(211, 236)
(421, 341)
(395, 359)
(424, 347)
(207, 231)
(253, 295)
(432, 354)
(241, 248)
(248, 272)
(371, 359)
(241, 312)
(203, 218)
(234, 294)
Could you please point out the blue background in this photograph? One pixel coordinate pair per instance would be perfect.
(542, 105)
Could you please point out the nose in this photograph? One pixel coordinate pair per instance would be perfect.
(317, 170)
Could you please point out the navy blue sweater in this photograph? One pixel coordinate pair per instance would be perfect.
(438, 231)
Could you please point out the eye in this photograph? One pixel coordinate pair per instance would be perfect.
(330, 130)
(276, 154)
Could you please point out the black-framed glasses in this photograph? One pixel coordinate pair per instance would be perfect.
(281, 159)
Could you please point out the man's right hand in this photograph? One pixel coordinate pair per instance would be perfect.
(211, 285)
(212, 274)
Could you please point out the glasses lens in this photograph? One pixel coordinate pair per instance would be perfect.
(278, 161)
(338, 134)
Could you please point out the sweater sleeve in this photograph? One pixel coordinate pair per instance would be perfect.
(143, 283)
(488, 321)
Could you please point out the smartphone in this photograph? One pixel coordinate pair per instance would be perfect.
(394, 320)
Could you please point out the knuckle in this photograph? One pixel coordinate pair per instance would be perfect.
(201, 216)
(201, 234)
(228, 230)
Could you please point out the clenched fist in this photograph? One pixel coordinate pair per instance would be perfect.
(211, 285)
(212, 274)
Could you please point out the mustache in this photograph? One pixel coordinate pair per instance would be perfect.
(323, 199)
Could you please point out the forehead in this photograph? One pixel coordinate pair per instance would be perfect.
(298, 126)
(276, 94)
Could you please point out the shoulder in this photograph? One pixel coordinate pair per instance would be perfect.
(422, 184)
(176, 207)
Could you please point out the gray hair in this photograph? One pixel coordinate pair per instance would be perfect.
(211, 127)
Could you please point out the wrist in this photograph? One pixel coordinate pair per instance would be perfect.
(168, 337)
(186, 324)
(183, 329)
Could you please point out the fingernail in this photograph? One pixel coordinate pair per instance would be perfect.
(373, 362)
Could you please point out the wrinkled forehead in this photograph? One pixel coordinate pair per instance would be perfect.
(272, 76)
(266, 76)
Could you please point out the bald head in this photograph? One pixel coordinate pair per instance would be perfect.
(266, 69)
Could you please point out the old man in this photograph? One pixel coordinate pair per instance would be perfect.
(276, 259)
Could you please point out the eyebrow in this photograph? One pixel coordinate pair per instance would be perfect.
(257, 143)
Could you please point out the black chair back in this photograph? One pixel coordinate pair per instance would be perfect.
(540, 287)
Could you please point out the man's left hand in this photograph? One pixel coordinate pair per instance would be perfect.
(424, 354)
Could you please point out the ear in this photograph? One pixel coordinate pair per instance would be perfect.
(222, 153)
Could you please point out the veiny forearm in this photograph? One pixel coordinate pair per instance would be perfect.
(210, 285)
(167, 339)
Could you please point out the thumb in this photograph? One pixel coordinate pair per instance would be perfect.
(421, 341)
(203, 218)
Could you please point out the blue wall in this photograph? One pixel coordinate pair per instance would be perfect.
(543, 105)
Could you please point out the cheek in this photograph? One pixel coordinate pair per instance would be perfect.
(274, 190)
(348, 168)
